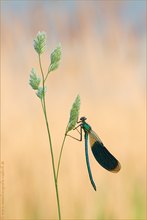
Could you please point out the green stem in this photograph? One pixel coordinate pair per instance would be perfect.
(41, 70)
(46, 76)
(53, 162)
(50, 142)
(60, 156)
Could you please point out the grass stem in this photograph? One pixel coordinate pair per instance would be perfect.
(43, 103)
(60, 155)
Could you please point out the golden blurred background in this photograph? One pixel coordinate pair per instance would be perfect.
(103, 61)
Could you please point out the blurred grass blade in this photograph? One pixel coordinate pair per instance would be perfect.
(74, 114)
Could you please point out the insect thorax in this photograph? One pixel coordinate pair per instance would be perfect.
(86, 127)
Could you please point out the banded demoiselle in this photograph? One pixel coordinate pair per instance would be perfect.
(100, 152)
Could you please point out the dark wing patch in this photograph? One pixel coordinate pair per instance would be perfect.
(105, 158)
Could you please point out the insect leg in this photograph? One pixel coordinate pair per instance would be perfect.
(80, 132)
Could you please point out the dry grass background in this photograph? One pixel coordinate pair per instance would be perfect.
(103, 61)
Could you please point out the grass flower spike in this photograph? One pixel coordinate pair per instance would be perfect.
(41, 92)
(34, 80)
(55, 58)
(40, 42)
(56, 54)
(74, 113)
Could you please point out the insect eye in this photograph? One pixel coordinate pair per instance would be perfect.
(83, 118)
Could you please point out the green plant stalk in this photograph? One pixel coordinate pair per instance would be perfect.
(53, 163)
(50, 142)
(46, 76)
(60, 155)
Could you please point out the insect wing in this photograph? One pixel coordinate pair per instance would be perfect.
(102, 155)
